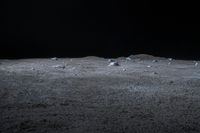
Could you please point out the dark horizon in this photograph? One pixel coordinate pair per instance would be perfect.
(62, 52)
(35, 29)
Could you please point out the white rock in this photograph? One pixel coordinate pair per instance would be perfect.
(128, 58)
(169, 63)
(113, 64)
(170, 59)
(59, 66)
(124, 69)
(148, 66)
(54, 58)
(196, 64)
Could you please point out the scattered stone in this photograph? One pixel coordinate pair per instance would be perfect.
(59, 66)
(148, 66)
(155, 61)
(54, 58)
(113, 64)
(169, 63)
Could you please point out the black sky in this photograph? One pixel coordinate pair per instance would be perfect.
(111, 28)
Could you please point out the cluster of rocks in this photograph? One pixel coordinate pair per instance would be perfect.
(58, 66)
(112, 62)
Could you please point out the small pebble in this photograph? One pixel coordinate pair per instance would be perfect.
(148, 66)
(169, 63)
(32, 69)
(155, 73)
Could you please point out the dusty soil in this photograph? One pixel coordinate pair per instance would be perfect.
(84, 95)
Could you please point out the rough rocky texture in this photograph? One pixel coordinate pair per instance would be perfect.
(88, 96)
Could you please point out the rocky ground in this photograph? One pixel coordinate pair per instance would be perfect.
(138, 94)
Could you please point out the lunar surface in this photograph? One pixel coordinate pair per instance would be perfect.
(136, 94)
